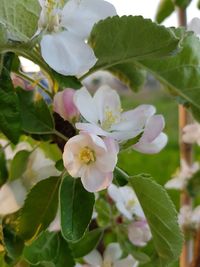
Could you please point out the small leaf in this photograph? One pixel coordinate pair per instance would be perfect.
(39, 209)
(10, 122)
(121, 176)
(76, 208)
(36, 116)
(66, 81)
(18, 164)
(44, 249)
(87, 243)
(194, 185)
(165, 9)
(162, 218)
(104, 212)
(20, 18)
(182, 3)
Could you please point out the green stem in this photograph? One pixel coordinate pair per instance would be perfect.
(59, 134)
(29, 79)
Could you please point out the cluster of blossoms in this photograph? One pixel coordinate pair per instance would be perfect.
(104, 129)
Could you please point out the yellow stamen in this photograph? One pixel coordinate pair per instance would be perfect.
(87, 155)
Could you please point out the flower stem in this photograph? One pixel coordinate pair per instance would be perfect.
(59, 134)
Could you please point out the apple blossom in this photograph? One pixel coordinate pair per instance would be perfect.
(111, 258)
(13, 194)
(92, 159)
(153, 140)
(126, 201)
(104, 115)
(139, 233)
(191, 133)
(65, 30)
(63, 104)
(180, 180)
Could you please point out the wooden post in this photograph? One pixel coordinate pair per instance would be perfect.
(185, 155)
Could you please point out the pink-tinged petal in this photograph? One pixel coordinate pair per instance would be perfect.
(112, 145)
(95, 180)
(63, 104)
(90, 128)
(153, 128)
(191, 133)
(124, 135)
(128, 262)
(139, 233)
(66, 53)
(154, 147)
(112, 253)
(55, 225)
(80, 16)
(85, 105)
(107, 99)
(134, 119)
(94, 258)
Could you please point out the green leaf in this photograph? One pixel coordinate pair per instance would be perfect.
(3, 168)
(135, 38)
(10, 121)
(35, 115)
(130, 75)
(181, 72)
(182, 3)
(76, 208)
(87, 243)
(104, 212)
(20, 18)
(3, 36)
(121, 176)
(18, 164)
(44, 249)
(198, 4)
(165, 9)
(66, 81)
(161, 216)
(39, 209)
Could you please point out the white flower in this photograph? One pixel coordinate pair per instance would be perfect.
(13, 194)
(63, 45)
(139, 233)
(191, 133)
(63, 104)
(111, 258)
(153, 140)
(92, 159)
(126, 201)
(185, 216)
(104, 114)
(180, 180)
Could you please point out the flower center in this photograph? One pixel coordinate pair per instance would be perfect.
(87, 155)
(107, 263)
(130, 204)
(110, 118)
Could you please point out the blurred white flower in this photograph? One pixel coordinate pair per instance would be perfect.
(92, 159)
(191, 133)
(63, 104)
(185, 217)
(126, 201)
(13, 194)
(63, 44)
(180, 180)
(139, 233)
(104, 114)
(111, 258)
(153, 140)
(194, 26)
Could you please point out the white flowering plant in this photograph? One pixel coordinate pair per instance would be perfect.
(64, 201)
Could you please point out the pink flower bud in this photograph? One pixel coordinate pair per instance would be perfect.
(63, 104)
(139, 233)
(19, 82)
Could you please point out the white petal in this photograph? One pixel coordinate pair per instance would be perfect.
(128, 262)
(85, 105)
(66, 53)
(93, 258)
(153, 128)
(176, 183)
(79, 16)
(107, 99)
(12, 196)
(90, 128)
(121, 136)
(113, 252)
(154, 147)
(194, 26)
(113, 192)
(95, 180)
(124, 211)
